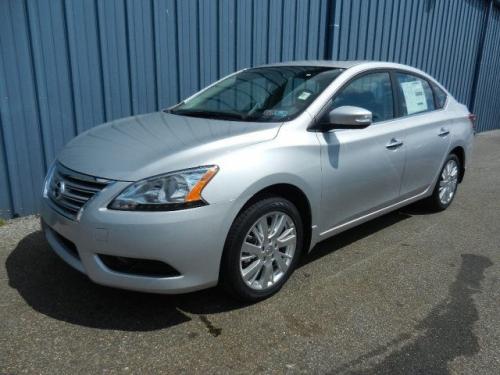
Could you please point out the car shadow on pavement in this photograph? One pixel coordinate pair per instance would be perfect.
(53, 288)
(352, 235)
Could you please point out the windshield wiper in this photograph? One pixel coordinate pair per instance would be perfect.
(210, 114)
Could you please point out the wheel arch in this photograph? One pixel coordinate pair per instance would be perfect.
(459, 151)
(295, 195)
(285, 190)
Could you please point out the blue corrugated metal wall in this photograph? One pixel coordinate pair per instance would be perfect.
(487, 101)
(440, 37)
(68, 65)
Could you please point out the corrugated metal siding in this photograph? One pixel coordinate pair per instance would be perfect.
(487, 103)
(5, 195)
(437, 36)
(68, 65)
(19, 105)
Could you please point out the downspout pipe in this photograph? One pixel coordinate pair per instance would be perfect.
(479, 54)
(328, 47)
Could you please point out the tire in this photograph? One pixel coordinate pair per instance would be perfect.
(436, 202)
(269, 271)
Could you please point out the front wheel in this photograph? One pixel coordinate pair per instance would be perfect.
(262, 249)
(446, 186)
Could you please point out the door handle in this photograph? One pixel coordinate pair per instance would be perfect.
(394, 144)
(443, 132)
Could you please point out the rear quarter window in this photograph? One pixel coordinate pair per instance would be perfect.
(416, 94)
(440, 96)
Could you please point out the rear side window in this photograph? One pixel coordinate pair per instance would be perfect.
(416, 94)
(372, 92)
(440, 96)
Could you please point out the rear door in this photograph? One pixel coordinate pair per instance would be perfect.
(362, 168)
(427, 137)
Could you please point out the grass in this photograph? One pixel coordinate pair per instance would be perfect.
(2, 222)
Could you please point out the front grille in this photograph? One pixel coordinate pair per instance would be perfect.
(69, 190)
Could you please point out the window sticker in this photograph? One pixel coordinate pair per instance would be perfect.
(414, 96)
(275, 113)
(304, 95)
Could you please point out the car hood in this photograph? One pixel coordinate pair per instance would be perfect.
(137, 147)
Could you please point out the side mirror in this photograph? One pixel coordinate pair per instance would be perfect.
(347, 117)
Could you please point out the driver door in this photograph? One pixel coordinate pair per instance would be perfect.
(362, 168)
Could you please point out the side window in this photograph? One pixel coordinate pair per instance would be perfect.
(416, 94)
(440, 96)
(372, 92)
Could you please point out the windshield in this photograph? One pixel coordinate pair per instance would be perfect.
(266, 94)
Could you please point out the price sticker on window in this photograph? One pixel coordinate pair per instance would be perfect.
(414, 94)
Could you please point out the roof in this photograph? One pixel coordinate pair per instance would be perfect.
(366, 64)
(327, 63)
(363, 64)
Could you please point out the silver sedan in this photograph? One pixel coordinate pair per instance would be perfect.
(233, 184)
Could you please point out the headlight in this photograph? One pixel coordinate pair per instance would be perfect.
(48, 179)
(172, 191)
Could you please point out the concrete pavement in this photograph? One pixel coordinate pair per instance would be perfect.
(410, 292)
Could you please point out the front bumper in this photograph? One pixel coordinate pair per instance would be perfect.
(191, 241)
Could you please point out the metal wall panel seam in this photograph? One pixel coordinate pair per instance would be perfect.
(34, 180)
(198, 45)
(70, 68)
(107, 117)
(363, 30)
(337, 29)
(387, 35)
(467, 62)
(417, 42)
(22, 142)
(423, 39)
(34, 66)
(459, 94)
(8, 170)
(393, 56)
(306, 27)
(438, 31)
(371, 30)
(479, 54)
(177, 49)
(450, 46)
(129, 57)
(320, 42)
(440, 58)
(156, 93)
(6, 199)
(379, 30)
(431, 32)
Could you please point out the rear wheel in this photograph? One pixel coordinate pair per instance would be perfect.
(446, 186)
(262, 249)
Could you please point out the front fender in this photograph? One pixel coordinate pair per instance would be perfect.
(248, 171)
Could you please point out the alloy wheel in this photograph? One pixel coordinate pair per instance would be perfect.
(267, 251)
(448, 182)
